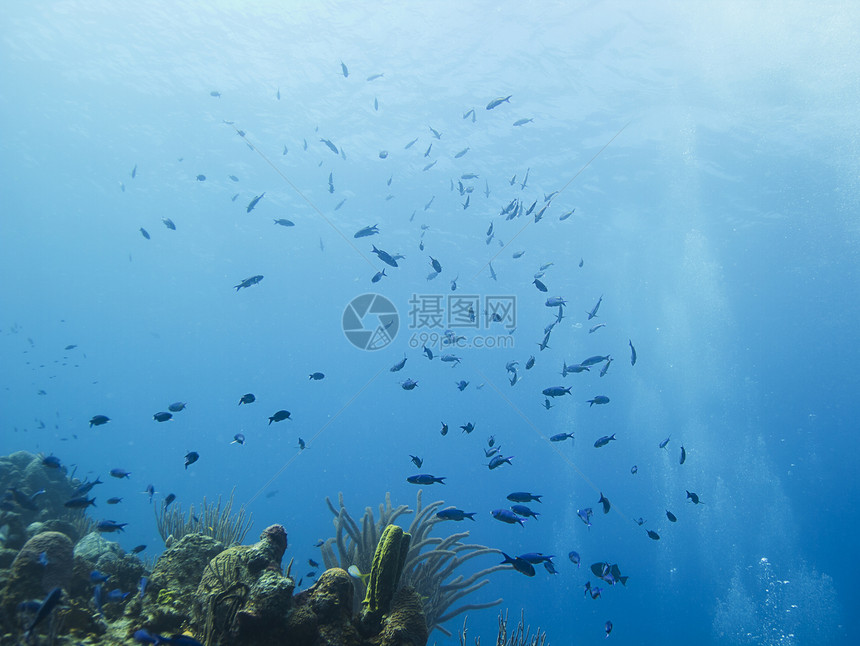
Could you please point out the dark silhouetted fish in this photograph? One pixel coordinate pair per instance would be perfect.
(497, 102)
(603, 441)
(254, 202)
(279, 416)
(425, 479)
(253, 280)
(191, 457)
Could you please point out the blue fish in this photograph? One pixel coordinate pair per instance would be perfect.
(561, 437)
(425, 479)
(520, 564)
(524, 496)
(524, 511)
(499, 460)
(98, 577)
(603, 441)
(585, 515)
(507, 516)
(455, 514)
(598, 399)
(556, 391)
(574, 557)
(109, 526)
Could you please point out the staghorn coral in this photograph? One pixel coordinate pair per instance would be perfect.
(430, 561)
(221, 524)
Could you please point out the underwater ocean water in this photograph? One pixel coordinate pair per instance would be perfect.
(683, 176)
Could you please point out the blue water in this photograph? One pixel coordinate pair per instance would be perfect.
(711, 155)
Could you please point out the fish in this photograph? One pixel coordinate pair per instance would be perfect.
(144, 233)
(437, 267)
(120, 473)
(373, 77)
(605, 368)
(410, 144)
(279, 416)
(330, 146)
(565, 216)
(499, 460)
(634, 469)
(607, 627)
(522, 122)
(524, 496)
(598, 399)
(51, 461)
(384, 256)
(376, 107)
(110, 526)
(176, 407)
(594, 309)
(201, 178)
(455, 514)
(134, 172)
(454, 283)
(591, 361)
(549, 567)
(304, 144)
(466, 203)
(344, 69)
(98, 577)
(190, 458)
(427, 206)
(427, 352)
(399, 365)
(331, 182)
(416, 460)
(468, 427)
(162, 416)
(664, 442)
(301, 446)
(492, 273)
(530, 363)
(238, 438)
(585, 515)
(336, 208)
(594, 328)
(425, 479)
(561, 437)
(253, 280)
(575, 368)
(114, 501)
(284, 222)
(694, 497)
(215, 93)
(519, 564)
(81, 502)
(247, 398)
(254, 202)
(117, 595)
(497, 102)
(547, 404)
(461, 385)
(541, 287)
(555, 301)
(169, 223)
(233, 177)
(169, 498)
(603, 441)
(683, 455)
(235, 196)
(524, 511)
(378, 276)
(672, 518)
(605, 502)
(507, 516)
(574, 557)
(137, 549)
(461, 153)
(409, 384)
(526, 180)
(487, 191)
(555, 391)
(430, 165)
(366, 231)
(444, 430)
(467, 114)
(436, 133)
(518, 254)
(45, 608)
(654, 536)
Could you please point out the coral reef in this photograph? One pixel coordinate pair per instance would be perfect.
(242, 596)
(388, 560)
(173, 584)
(430, 561)
(221, 524)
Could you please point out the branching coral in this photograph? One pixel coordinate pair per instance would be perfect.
(430, 562)
(221, 524)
